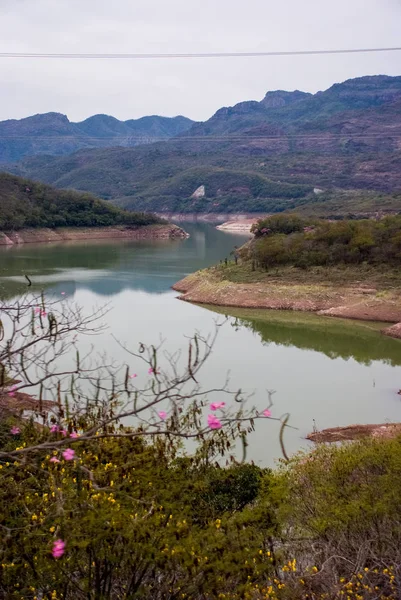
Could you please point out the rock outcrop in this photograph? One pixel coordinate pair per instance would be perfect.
(200, 192)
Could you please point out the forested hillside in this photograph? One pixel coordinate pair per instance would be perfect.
(25, 203)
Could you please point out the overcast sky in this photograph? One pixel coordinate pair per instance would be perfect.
(195, 88)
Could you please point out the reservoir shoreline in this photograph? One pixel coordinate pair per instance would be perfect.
(208, 286)
(47, 235)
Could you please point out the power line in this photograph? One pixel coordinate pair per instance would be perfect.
(206, 138)
(140, 56)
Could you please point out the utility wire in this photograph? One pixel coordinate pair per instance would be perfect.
(205, 138)
(140, 56)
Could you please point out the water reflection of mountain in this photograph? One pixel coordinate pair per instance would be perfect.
(335, 338)
(109, 267)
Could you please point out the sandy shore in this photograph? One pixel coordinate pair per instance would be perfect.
(243, 226)
(36, 236)
(213, 218)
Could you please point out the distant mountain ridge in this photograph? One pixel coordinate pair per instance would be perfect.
(262, 156)
(297, 111)
(53, 134)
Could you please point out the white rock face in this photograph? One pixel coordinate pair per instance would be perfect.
(200, 192)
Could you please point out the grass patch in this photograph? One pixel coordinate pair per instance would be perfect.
(382, 277)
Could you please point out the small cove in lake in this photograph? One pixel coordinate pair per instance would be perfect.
(334, 371)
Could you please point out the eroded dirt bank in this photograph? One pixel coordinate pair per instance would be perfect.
(350, 302)
(35, 236)
(355, 432)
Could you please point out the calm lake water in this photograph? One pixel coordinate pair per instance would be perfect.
(332, 371)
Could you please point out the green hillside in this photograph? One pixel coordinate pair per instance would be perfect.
(225, 190)
(349, 203)
(24, 203)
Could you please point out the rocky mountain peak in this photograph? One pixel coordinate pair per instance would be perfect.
(279, 98)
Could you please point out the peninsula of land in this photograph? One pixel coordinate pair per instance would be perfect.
(342, 269)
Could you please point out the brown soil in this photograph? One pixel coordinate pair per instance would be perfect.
(21, 401)
(393, 331)
(355, 432)
(31, 236)
(352, 302)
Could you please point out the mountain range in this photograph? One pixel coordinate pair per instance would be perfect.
(54, 134)
(340, 148)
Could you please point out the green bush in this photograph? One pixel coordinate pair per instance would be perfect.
(340, 513)
(139, 522)
(290, 240)
(130, 517)
(279, 224)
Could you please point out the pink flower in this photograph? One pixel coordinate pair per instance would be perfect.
(37, 310)
(58, 549)
(15, 430)
(54, 429)
(163, 415)
(43, 313)
(151, 370)
(54, 459)
(11, 391)
(69, 454)
(64, 432)
(267, 413)
(133, 376)
(217, 405)
(214, 422)
(74, 435)
(63, 293)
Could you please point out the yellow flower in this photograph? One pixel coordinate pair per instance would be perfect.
(52, 529)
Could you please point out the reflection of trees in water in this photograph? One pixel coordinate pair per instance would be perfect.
(333, 339)
(150, 266)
